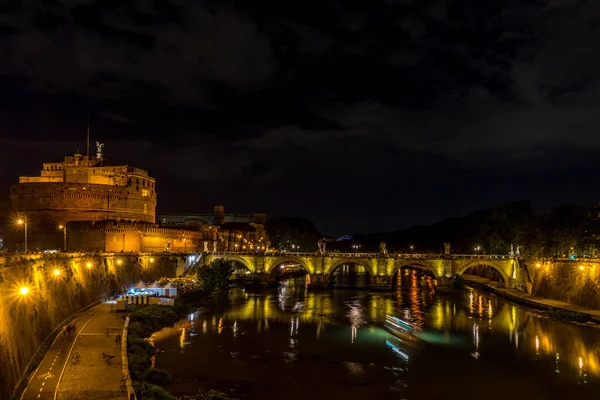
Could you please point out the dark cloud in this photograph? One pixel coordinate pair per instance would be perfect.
(361, 115)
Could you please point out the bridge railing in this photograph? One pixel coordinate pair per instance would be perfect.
(483, 256)
(413, 256)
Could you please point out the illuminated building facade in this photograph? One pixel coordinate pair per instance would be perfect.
(234, 232)
(82, 188)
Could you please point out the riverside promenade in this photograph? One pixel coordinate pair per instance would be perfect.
(531, 300)
(83, 365)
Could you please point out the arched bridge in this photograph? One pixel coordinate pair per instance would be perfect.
(380, 267)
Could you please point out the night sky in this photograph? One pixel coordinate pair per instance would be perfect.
(361, 115)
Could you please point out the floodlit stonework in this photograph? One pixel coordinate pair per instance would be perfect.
(82, 188)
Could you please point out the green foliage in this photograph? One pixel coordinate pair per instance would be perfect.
(568, 316)
(139, 363)
(210, 395)
(562, 231)
(566, 230)
(509, 223)
(458, 283)
(157, 377)
(138, 345)
(144, 321)
(285, 232)
(148, 319)
(216, 275)
(148, 391)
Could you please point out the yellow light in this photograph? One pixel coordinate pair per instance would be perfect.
(24, 290)
(56, 272)
(60, 227)
(538, 265)
(20, 222)
(581, 267)
(89, 265)
(151, 259)
(119, 262)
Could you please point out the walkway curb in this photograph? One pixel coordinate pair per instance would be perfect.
(125, 363)
(530, 302)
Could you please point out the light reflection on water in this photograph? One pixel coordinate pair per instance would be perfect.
(263, 344)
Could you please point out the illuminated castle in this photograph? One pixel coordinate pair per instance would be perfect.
(83, 188)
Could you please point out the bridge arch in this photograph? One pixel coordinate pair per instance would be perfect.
(504, 269)
(246, 263)
(401, 266)
(276, 262)
(416, 264)
(342, 261)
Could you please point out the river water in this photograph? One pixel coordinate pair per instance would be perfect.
(292, 343)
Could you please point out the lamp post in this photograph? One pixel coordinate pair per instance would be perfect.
(64, 229)
(356, 247)
(23, 221)
(411, 249)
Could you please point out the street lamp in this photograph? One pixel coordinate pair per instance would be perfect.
(355, 247)
(477, 249)
(64, 229)
(411, 248)
(23, 221)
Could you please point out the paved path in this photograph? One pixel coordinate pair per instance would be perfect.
(531, 300)
(74, 366)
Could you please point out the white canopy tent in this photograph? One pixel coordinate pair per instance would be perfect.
(170, 290)
(156, 288)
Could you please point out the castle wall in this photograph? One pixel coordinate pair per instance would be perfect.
(55, 203)
(131, 237)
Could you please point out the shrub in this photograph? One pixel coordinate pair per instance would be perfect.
(157, 377)
(139, 345)
(458, 283)
(569, 316)
(148, 391)
(138, 363)
(216, 275)
(210, 395)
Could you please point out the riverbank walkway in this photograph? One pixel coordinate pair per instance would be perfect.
(531, 300)
(85, 364)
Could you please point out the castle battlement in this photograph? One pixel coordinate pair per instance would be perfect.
(82, 188)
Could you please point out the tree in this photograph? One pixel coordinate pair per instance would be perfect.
(216, 275)
(284, 232)
(567, 229)
(509, 223)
